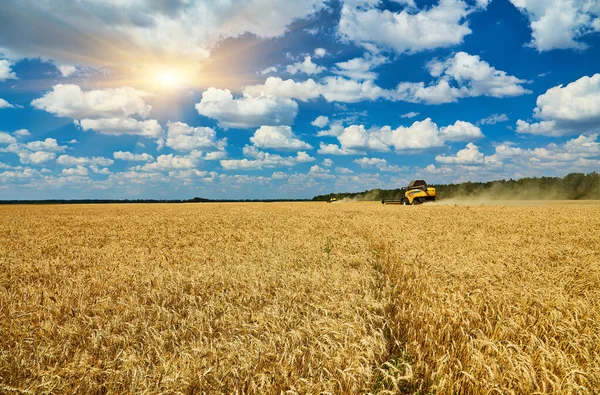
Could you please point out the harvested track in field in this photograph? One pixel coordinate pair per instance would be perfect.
(306, 297)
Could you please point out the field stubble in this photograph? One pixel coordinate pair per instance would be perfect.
(300, 297)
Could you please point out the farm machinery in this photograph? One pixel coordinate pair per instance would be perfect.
(417, 192)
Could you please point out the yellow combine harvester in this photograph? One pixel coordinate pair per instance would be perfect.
(417, 192)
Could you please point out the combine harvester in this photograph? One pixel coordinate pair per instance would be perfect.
(417, 192)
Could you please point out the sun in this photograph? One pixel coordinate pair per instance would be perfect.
(169, 79)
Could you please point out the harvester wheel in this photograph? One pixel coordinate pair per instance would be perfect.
(405, 202)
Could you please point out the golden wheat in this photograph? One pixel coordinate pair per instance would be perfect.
(299, 298)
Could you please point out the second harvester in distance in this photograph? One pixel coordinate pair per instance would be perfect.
(417, 192)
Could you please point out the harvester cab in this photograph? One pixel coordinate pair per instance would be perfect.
(417, 192)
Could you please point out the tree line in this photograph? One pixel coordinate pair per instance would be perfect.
(573, 186)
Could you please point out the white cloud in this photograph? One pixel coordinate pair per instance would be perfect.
(579, 152)
(307, 67)
(35, 158)
(262, 160)
(6, 138)
(70, 101)
(356, 137)
(49, 144)
(461, 76)
(68, 160)
(67, 70)
(349, 91)
(124, 32)
(442, 25)
(343, 170)
(565, 110)
(361, 68)
(269, 70)
(327, 162)
(275, 86)
(493, 119)
(278, 137)
(21, 133)
(333, 149)
(335, 129)
(461, 131)
(321, 121)
(5, 104)
(247, 111)
(75, 171)
(420, 135)
(409, 115)
(6, 72)
(379, 163)
(215, 155)
(467, 156)
(118, 126)
(182, 137)
(129, 156)
(543, 128)
(320, 53)
(172, 162)
(559, 24)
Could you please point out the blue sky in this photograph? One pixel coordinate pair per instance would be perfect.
(279, 99)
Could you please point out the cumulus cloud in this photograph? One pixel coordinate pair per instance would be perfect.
(107, 111)
(332, 89)
(6, 72)
(34, 152)
(278, 137)
(307, 67)
(260, 159)
(70, 101)
(49, 144)
(333, 149)
(247, 111)
(321, 121)
(378, 163)
(320, 53)
(182, 137)
(67, 70)
(441, 25)
(424, 134)
(577, 152)
(327, 162)
(269, 70)
(129, 156)
(461, 76)
(275, 86)
(118, 126)
(560, 24)
(461, 131)
(6, 138)
(22, 133)
(69, 160)
(35, 158)
(5, 104)
(74, 33)
(565, 110)
(360, 68)
(469, 155)
(75, 171)
(172, 162)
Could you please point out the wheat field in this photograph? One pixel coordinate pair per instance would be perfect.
(300, 298)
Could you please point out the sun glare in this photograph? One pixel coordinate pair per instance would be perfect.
(169, 79)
